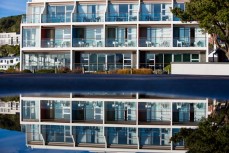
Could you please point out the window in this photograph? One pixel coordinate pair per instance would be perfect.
(11, 61)
(186, 57)
(194, 57)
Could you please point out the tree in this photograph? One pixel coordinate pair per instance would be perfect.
(212, 134)
(6, 50)
(213, 18)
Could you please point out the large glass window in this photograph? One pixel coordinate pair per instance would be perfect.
(45, 61)
(30, 37)
(103, 62)
(58, 14)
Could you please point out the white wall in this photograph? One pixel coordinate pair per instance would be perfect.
(200, 68)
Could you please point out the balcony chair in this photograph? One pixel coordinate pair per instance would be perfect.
(179, 43)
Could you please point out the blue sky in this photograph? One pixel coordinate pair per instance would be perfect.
(12, 7)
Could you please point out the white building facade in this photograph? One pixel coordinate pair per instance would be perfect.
(100, 35)
(8, 62)
(11, 38)
(11, 107)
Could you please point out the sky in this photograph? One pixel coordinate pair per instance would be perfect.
(14, 142)
(12, 7)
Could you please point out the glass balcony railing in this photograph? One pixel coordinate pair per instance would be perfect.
(155, 16)
(29, 43)
(111, 42)
(79, 42)
(155, 42)
(34, 18)
(121, 17)
(189, 42)
(57, 43)
(57, 18)
(88, 17)
(100, 66)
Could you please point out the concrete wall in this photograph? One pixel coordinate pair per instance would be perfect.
(200, 68)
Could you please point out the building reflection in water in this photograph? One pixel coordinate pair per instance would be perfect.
(110, 122)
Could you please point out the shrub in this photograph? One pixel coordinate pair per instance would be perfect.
(64, 70)
(168, 69)
(142, 71)
(158, 71)
(11, 70)
(77, 70)
(26, 71)
(123, 71)
(45, 71)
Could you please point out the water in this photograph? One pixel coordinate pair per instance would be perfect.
(116, 112)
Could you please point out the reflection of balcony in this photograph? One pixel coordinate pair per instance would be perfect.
(120, 113)
(79, 42)
(57, 43)
(189, 42)
(120, 17)
(121, 138)
(154, 114)
(57, 18)
(120, 116)
(34, 138)
(188, 113)
(88, 17)
(87, 112)
(155, 17)
(111, 42)
(154, 42)
(154, 138)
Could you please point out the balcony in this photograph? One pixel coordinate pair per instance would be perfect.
(33, 18)
(155, 16)
(112, 42)
(57, 18)
(120, 17)
(189, 42)
(80, 42)
(155, 42)
(55, 43)
(88, 17)
(87, 112)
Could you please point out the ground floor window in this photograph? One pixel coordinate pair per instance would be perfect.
(161, 60)
(37, 61)
(103, 62)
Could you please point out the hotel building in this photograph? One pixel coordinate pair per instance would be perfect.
(105, 122)
(100, 35)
